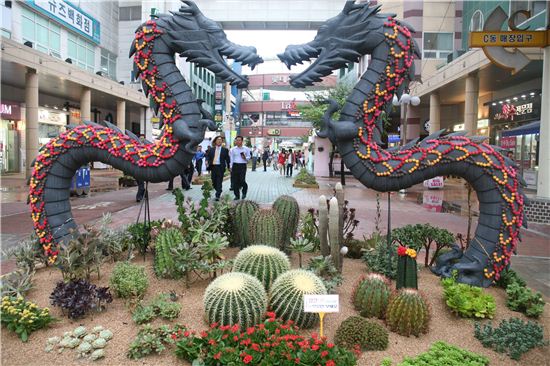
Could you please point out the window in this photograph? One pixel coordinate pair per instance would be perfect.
(129, 13)
(43, 33)
(81, 52)
(437, 45)
(476, 23)
(108, 63)
(537, 6)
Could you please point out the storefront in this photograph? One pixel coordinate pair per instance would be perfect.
(10, 137)
(51, 123)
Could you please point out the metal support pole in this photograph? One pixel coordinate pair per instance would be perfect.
(388, 235)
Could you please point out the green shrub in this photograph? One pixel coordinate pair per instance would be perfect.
(161, 306)
(441, 353)
(263, 262)
(382, 259)
(166, 241)
(357, 331)
(140, 234)
(128, 280)
(305, 177)
(509, 276)
(287, 207)
(523, 299)
(371, 296)
(149, 340)
(408, 313)
(468, 301)
(513, 337)
(423, 236)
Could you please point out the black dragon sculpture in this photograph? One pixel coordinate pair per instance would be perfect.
(361, 29)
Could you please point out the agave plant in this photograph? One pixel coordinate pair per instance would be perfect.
(301, 245)
(211, 251)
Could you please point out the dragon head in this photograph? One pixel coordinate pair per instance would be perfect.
(203, 42)
(340, 40)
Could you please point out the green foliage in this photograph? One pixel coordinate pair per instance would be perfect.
(23, 317)
(287, 296)
(357, 248)
(523, 299)
(509, 276)
(187, 260)
(357, 332)
(315, 110)
(289, 211)
(27, 253)
(407, 272)
(149, 340)
(301, 245)
(167, 240)
(263, 262)
(386, 362)
(324, 268)
(235, 298)
(423, 236)
(441, 353)
(114, 242)
(266, 228)
(408, 313)
(371, 296)
(140, 234)
(468, 301)
(513, 337)
(82, 256)
(305, 177)
(161, 306)
(211, 253)
(243, 212)
(382, 259)
(129, 281)
(16, 283)
(309, 230)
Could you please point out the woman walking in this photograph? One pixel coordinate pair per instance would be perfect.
(282, 160)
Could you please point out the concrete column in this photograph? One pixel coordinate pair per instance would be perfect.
(31, 119)
(412, 126)
(543, 182)
(121, 115)
(435, 113)
(148, 124)
(471, 95)
(142, 120)
(86, 105)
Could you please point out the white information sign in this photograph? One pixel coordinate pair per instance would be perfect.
(321, 303)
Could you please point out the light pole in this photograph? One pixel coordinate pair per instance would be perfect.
(405, 100)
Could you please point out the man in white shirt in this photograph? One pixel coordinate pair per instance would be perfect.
(239, 156)
(255, 155)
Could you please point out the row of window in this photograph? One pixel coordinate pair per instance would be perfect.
(202, 93)
(203, 74)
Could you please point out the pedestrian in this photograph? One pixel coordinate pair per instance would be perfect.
(206, 156)
(186, 178)
(275, 160)
(239, 157)
(255, 156)
(281, 159)
(141, 184)
(199, 156)
(298, 159)
(290, 161)
(265, 158)
(217, 160)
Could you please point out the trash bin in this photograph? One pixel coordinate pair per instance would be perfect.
(81, 181)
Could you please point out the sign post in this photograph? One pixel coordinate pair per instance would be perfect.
(321, 304)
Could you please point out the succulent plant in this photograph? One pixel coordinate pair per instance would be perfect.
(235, 298)
(266, 228)
(368, 335)
(89, 337)
(84, 347)
(289, 210)
(106, 334)
(99, 343)
(263, 262)
(165, 265)
(407, 273)
(408, 313)
(97, 354)
(80, 331)
(243, 212)
(287, 296)
(371, 296)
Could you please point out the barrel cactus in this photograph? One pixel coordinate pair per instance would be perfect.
(287, 296)
(266, 228)
(408, 313)
(164, 259)
(242, 213)
(235, 298)
(263, 262)
(371, 296)
(288, 209)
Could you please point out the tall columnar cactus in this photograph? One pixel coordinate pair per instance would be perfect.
(263, 262)
(287, 296)
(408, 313)
(164, 260)
(339, 193)
(243, 212)
(407, 274)
(334, 234)
(266, 228)
(235, 298)
(372, 295)
(289, 210)
(323, 226)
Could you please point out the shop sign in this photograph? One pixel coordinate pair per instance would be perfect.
(510, 39)
(74, 116)
(508, 142)
(218, 117)
(434, 183)
(392, 139)
(291, 109)
(51, 118)
(482, 123)
(459, 127)
(10, 111)
(69, 15)
(274, 132)
(520, 111)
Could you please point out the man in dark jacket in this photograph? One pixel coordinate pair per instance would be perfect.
(265, 157)
(218, 160)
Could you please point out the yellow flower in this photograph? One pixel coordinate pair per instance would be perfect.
(411, 253)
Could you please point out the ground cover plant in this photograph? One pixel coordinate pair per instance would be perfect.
(153, 340)
(85, 343)
(161, 306)
(468, 301)
(129, 281)
(78, 297)
(23, 317)
(304, 177)
(441, 353)
(523, 299)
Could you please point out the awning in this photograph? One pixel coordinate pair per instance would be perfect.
(528, 129)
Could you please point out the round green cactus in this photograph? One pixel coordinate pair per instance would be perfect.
(371, 296)
(263, 262)
(235, 298)
(289, 210)
(266, 227)
(287, 296)
(359, 331)
(408, 313)
(243, 212)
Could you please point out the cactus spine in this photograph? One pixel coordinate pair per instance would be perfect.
(407, 276)
(371, 296)
(323, 226)
(334, 234)
(235, 298)
(263, 262)
(164, 260)
(243, 212)
(266, 228)
(408, 313)
(289, 210)
(287, 296)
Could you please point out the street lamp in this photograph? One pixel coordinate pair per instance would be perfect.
(405, 100)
